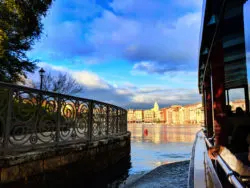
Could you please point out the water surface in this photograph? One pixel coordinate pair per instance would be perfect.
(153, 145)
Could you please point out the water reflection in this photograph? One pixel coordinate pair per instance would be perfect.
(154, 145)
(162, 133)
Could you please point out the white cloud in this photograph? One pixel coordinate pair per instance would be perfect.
(88, 79)
(26, 82)
(150, 89)
(124, 91)
(129, 85)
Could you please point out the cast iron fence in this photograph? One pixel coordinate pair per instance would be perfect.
(31, 118)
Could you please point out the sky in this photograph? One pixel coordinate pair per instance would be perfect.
(130, 53)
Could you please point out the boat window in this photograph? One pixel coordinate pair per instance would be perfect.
(237, 99)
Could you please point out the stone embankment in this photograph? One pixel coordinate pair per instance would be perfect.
(93, 156)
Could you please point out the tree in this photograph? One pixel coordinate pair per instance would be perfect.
(20, 26)
(63, 83)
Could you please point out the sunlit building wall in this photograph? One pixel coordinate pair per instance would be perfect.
(163, 115)
(199, 114)
(181, 115)
(169, 116)
(130, 116)
(148, 116)
(138, 116)
(193, 114)
(157, 116)
(187, 119)
(176, 114)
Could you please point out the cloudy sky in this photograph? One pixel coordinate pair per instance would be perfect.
(126, 52)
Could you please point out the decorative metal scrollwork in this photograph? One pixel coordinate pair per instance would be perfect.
(112, 120)
(99, 120)
(32, 118)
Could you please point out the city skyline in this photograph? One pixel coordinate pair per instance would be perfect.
(191, 114)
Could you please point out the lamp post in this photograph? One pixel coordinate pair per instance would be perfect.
(41, 72)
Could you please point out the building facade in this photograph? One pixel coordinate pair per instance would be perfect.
(192, 114)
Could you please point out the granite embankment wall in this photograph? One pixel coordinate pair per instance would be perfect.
(93, 156)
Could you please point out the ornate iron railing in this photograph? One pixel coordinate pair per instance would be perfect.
(31, 118)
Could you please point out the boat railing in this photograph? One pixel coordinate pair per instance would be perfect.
(229, 173)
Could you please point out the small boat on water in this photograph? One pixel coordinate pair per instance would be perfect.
(222, 67)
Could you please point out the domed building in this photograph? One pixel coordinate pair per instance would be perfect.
(157, 113)
(156, 107)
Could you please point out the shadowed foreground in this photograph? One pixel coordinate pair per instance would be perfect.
(169, 175)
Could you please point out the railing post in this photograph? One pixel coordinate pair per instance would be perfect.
(90, 120)
(107, 121)
(59, 106)
(8, 120)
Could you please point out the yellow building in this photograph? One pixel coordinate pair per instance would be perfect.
(176, 114)
(138, 116)
(131, 116)
(181, 116)
(169, 114)
(148, 116)
(199, 114)
(192, 115)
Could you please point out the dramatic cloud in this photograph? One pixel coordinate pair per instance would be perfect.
(171, 45)
(137, 31)
(127, 52)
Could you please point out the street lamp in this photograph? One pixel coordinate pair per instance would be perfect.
(41, 72)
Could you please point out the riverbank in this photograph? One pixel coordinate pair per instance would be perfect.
(168, 175)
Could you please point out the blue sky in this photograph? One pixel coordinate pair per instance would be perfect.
(127, 52)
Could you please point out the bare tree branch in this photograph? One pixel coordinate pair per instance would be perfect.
(63, 83)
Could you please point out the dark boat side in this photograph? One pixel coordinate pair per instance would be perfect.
(222, 67)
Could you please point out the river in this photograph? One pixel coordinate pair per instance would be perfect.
(153, 145)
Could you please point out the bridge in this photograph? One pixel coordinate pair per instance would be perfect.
(42, 131)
